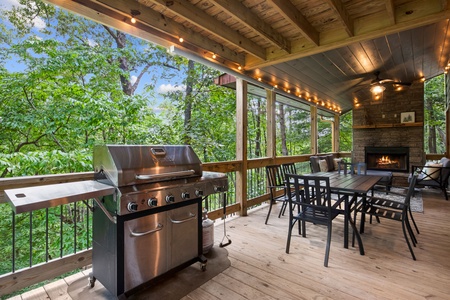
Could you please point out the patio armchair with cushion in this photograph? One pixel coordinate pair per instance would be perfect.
(435, 175)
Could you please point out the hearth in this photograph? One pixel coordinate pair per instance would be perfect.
(387, 158)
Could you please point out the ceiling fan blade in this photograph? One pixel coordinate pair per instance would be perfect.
(401, 83)
(383, 81)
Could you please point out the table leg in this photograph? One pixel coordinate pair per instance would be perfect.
(352, 223)
(346, 219)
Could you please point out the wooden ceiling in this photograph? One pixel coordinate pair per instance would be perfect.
(321, 50)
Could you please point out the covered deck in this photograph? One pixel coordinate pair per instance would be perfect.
(320, 56)
(260, 268)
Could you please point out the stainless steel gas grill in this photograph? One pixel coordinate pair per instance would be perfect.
(147, 214)
(157, 209)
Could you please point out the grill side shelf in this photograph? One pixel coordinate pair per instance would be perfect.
(38, 197)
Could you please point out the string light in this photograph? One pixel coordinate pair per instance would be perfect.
(181, 39)
(214, 56)
(328, 105)
(134, 13)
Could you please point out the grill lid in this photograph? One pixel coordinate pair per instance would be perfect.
(124, 165)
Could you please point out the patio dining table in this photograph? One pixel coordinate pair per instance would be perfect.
(349, 187)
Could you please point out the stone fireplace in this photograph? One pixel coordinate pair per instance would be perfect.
(377, 124)
(387, 158)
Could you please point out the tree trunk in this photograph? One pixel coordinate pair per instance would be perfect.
(281, 116)
(258, 128)
(188, 102)
(431, 128)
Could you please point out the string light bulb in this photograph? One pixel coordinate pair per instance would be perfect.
(214, 56)
(181, 39)
(134, 13)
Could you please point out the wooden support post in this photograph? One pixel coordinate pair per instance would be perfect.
(314, 134)
(271, 124)
(241, 144)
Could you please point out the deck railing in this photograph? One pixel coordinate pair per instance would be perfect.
(46, 243)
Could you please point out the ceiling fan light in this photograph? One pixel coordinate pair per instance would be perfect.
(377, 89)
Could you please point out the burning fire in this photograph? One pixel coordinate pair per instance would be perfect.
(385, 160)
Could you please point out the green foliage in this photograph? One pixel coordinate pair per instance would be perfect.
(45, 162)
(346, 132)
(435, 107)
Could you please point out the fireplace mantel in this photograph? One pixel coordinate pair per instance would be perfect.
(416, 124)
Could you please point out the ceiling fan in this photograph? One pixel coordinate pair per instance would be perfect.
(377, 84)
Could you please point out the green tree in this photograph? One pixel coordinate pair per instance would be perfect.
(434, 107)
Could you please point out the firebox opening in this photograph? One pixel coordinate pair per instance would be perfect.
(387, 158)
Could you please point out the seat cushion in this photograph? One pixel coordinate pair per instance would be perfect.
(387, 176)
(329, 159)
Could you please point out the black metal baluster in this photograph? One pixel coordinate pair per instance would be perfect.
(46, 235)
(13, 267)
(61, 231)
(31, 239)
(75, 227)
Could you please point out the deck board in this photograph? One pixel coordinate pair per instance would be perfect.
(260, 268)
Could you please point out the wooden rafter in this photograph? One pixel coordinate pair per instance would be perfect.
(290, 12)
(365, 28)
(390, 9)
(244, 15)
(340, 10)
(213, 26)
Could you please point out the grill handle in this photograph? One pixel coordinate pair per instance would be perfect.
(190, 217)
(138, 234)
(165, 175)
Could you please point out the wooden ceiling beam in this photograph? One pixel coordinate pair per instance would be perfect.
(290, 12)
(407, 16)
(390, 9)
(243, 15)
(342, 14)
(210, 24)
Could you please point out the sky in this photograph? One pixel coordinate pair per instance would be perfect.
(162, 86)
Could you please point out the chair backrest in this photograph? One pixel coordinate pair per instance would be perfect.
(445, 171)
(275, 178)
(412, 185)
(359, 168)
(314, 163)
(309, 191)
(289, 168)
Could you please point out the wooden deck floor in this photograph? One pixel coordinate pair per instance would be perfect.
(260, 268)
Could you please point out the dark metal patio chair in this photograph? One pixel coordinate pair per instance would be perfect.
(304, 207)
(393, 210)
(277, 188)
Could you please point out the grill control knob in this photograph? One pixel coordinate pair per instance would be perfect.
(152, 202)
(132, 206)
(185, 195)
(170, 198)
(199, 193)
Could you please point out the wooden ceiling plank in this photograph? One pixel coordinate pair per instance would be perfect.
(335, 39)
(390, 9)
(406, 38)
(306, 77)
(395, 48)
(210, 24)
(290, 12)
(386, 57)
(373, 55)
(429, 47)
(343, 16)
(357, 58)
(244, 15)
